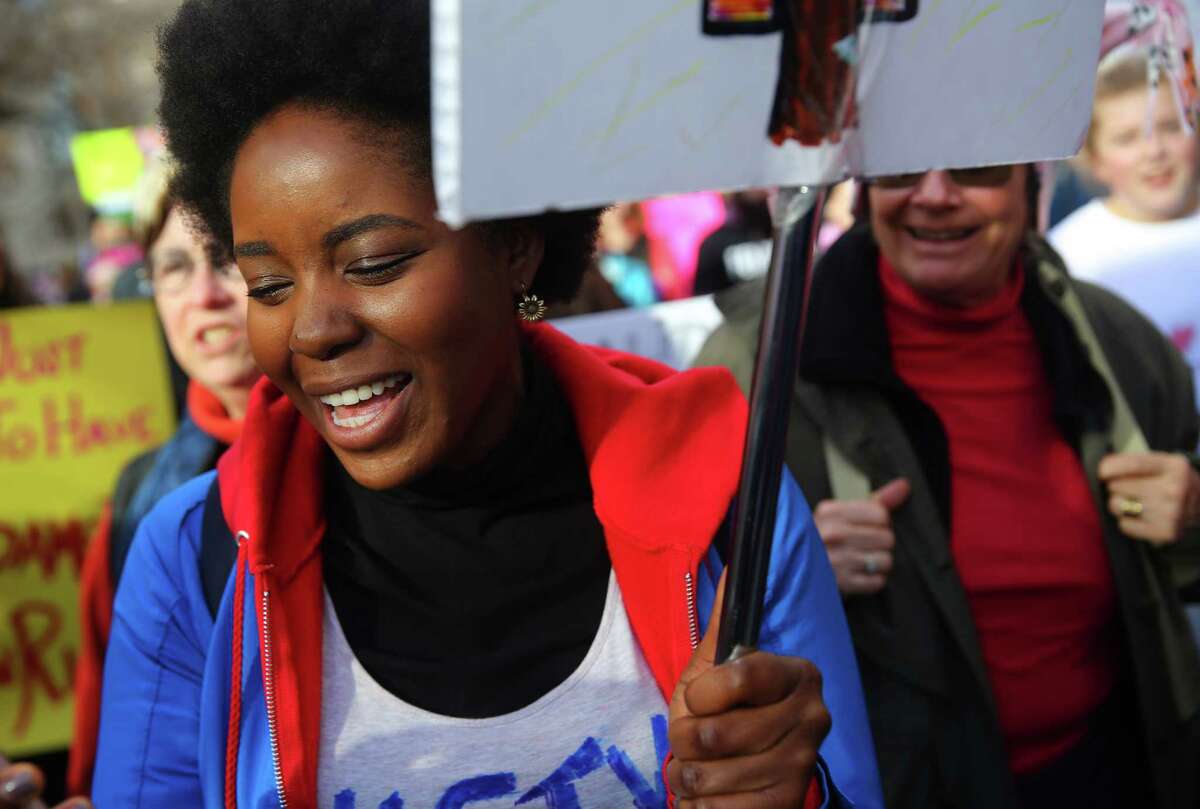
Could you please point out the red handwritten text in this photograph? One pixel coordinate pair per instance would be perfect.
(35, 627)
(69, 428)
(46, 360)
(45, 544)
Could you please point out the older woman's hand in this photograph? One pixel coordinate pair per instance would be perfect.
(744, 734)
(21, 787)
(1155, 496)
(858, 537)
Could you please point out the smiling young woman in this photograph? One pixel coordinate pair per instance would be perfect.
(475, 559)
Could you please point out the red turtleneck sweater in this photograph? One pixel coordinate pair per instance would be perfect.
(1024, 530)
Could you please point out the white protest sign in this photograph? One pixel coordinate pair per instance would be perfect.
(672, 333)
(541, 104)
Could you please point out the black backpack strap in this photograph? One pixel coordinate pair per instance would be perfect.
(124, 525)
(218, 550)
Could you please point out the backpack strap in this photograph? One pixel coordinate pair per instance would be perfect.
(218, 550)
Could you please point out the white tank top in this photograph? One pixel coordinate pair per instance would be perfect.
(596, 741)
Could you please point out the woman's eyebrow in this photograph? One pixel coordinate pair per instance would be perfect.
(172, 253)
(335, 236)
(252, 249)
(363, 224)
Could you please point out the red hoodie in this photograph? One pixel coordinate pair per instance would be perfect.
(271, 496)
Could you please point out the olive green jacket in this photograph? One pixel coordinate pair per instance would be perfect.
(1120, 386)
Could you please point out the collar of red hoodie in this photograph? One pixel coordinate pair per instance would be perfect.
(649, 435)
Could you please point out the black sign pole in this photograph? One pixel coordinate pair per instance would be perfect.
(798, 219)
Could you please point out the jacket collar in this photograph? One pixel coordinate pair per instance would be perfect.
(847, 341)
(846, 338)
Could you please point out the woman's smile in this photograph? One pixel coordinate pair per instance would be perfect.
(360, 415)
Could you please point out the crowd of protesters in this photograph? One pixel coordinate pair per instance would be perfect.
(410, 546)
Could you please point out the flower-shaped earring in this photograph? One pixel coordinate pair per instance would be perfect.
(530, 308)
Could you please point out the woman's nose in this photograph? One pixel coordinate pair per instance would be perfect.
(323, 328)
(935, 189)
(1155, 144)
(207, 289)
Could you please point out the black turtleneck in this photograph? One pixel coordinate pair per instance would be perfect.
(473, 593)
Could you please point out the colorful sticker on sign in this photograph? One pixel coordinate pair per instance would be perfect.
(891, 10)
(82, 390)
(740, 16)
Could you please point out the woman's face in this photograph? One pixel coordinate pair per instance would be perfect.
(1151, 174)
(202, 309)
(953, 244)
(394, 335)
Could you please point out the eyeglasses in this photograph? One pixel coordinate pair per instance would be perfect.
(980, 177)
(172, 277)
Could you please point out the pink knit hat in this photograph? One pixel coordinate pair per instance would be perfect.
(1158, 31)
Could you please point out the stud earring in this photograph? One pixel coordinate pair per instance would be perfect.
(530, 308)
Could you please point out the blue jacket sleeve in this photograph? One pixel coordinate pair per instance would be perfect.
(150, 708)
(803, 617)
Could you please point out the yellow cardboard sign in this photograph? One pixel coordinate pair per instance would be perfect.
(108, 163)
(83, 389)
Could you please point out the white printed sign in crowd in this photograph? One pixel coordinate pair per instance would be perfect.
(573, 104)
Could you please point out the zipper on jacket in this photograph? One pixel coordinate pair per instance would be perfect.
(689, 589)
(269, 693)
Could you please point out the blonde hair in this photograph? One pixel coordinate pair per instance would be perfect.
(152, 203)
(1119, 74)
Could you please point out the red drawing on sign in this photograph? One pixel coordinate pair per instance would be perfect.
(35, 625)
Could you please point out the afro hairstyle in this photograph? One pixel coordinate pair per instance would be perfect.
(225, 65)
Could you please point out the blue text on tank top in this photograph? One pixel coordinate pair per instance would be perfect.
(557, 789)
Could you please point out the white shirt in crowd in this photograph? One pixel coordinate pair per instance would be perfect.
(596, 741)
(1153, 265)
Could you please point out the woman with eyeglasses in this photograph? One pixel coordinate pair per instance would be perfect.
(998, 452)
(201, 301)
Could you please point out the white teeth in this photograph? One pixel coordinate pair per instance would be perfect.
(941, 235)
(362, 393)
(353, 421)
(215, 335)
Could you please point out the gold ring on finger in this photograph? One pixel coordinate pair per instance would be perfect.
(1130, 507)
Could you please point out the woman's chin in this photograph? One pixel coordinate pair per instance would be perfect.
(224, 373)
(379, 471)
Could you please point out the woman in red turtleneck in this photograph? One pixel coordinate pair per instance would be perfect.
(201, 302)
(999, 455)
(1025, 535)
